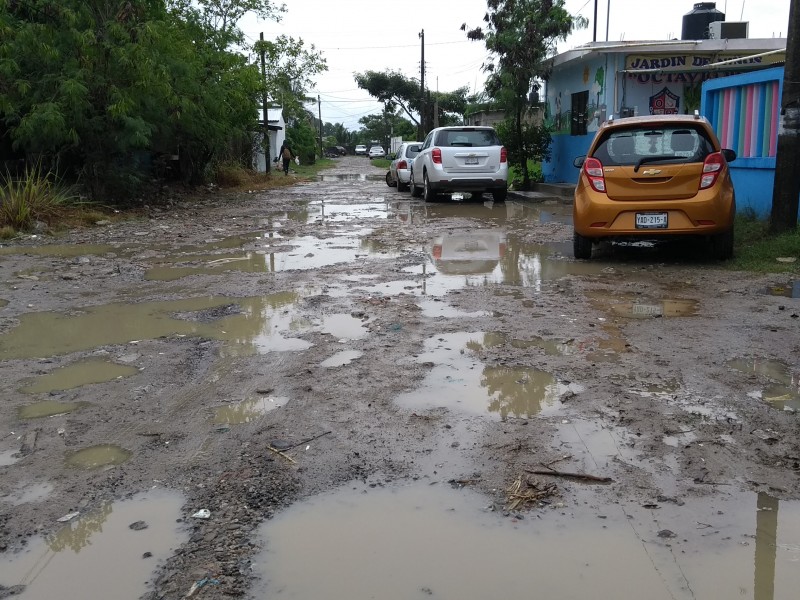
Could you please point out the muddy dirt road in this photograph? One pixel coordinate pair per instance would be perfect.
(337, 391)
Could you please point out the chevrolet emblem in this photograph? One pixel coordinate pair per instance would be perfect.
(651, 172)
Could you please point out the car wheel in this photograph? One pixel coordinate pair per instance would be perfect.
(389, 181)
(722, 245)
(500, 195)
(428, 195)
(581, 246)
(415, 191)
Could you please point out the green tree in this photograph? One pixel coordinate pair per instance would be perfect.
(520, 35)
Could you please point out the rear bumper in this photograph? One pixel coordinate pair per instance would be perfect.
(709, 212)
(468, 184)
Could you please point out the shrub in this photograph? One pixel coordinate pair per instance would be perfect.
(33, 196)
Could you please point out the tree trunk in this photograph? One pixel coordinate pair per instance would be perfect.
(523, 155)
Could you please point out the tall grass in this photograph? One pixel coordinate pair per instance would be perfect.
(756, 250)
(30, 197)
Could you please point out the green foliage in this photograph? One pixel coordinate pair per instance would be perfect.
(756, 250)
(33, 196)
(302, 139)
(520, 35)
(105, 88)
(525, 142)
(380, 163)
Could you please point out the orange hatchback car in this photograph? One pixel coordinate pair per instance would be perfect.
(654, 177)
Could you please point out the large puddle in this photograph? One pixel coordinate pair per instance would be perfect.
(247, 325)
(430, 541)
(460, 381)
(246, 411)
(76, 375)
(790, 290)
(97, 457)
(783, 388)
(98, 554)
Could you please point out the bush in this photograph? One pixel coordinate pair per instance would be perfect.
(34, 196)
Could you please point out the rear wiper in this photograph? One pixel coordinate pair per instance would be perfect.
(654, 158)
(460, 144)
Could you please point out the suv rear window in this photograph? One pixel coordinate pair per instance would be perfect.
(467, 138)
(666, 144)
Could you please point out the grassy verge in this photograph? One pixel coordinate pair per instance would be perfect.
(380, 163)
(755, 250)
(515, 174)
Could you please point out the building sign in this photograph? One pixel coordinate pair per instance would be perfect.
(687, 62)
(690, 69)
(664, 103)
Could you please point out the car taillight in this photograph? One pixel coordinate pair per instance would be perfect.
(712, 167)
(594, 173)
(402, 165)
(503, 155)
(436, 155)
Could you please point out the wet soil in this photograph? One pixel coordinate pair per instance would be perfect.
(250, 352)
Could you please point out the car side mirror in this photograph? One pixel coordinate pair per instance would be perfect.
(578, 162)
(730, 155)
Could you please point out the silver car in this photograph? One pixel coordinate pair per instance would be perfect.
(376, 152)
(460, 159)
(400, 169)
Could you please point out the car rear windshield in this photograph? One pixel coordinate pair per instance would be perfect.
(667, 144)
(467, 137)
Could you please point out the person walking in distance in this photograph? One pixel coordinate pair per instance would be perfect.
(286, 155)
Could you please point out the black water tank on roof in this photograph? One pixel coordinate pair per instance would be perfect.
(696, 22)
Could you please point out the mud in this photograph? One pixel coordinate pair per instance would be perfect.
(326, 357)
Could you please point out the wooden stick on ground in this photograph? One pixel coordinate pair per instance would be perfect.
(568, 475)
(286, 456)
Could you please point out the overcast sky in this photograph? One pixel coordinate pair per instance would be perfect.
(359, 35)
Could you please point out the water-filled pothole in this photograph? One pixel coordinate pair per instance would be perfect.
(459, 380)
(78, 374)
(430, 541)
(248, 410)
(635, 307)
(48, 408)
(790, 290)
(98, 554)
(340, 359)
(96, 457)
(784, 390)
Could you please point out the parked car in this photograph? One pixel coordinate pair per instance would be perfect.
(460, 159)
(654, 177)
(361, 150)
(334, 151)
(376, 152)
(400, 169)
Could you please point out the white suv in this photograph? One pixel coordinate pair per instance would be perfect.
(460, 159)
(361, 149)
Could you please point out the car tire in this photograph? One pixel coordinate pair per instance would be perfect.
(428, 194)
(389, 181)
(722, 245)
(500, 195)
(415, 191)
(581, 246)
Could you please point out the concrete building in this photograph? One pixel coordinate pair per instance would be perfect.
(277, 135)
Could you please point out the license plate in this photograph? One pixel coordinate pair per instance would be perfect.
(651, 220)
(471, 160)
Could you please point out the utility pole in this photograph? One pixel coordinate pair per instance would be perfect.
(267, 151)
(594, 35)
(786, 191)
(422, 130)
(319, 112)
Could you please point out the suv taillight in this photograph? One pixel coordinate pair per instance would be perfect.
(436, 156)
(503, 155)
(402, 165)
(593, 169)
(712, 167)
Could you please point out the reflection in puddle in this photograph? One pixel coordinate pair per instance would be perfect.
(246, 324)
(81, 373)
(247, 410)
(459, 380)
(98, 555)
(784, 392)
(95, 457)
(344, 327)
(790, 290)
(643, 308)
(446, 545)
(509, 214)
(350, 177)
(345, 357)
(550, 347)
(328, 212)
(48, 408)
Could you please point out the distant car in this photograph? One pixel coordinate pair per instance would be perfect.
(400, 169)
(460, 159)
(654, 177)
(335, 151)
(376, 152)
(361, 150)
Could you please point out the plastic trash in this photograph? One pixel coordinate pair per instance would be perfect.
(296, 161)
(203, 513)
(68, 517)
